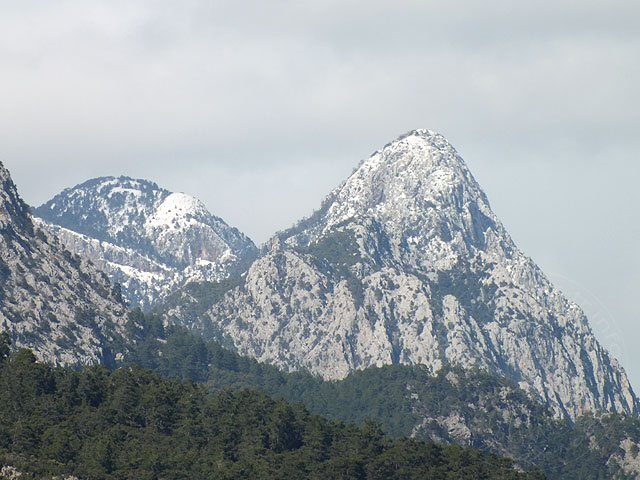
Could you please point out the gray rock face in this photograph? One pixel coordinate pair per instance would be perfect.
(52, 301)
(405, 262)
(146, 238)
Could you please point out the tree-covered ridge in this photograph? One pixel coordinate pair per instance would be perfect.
(130, 423)
(470, 408)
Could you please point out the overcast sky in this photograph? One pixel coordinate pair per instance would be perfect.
(260, 108)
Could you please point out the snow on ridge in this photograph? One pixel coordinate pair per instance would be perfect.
(129, 191)
(135, 230)
(177, 207)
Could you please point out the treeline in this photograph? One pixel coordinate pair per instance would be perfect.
(131, 424)
(398, 398)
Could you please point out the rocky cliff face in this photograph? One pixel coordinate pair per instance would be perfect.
(52, 301)
(146, 238)
(406, 263)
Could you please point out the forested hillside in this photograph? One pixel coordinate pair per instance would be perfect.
(130, 423)
(470, 408)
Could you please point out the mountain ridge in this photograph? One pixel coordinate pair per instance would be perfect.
(145, 237)
(405, 262)
(50, 300)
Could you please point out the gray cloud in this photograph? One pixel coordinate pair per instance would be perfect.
(260, 108)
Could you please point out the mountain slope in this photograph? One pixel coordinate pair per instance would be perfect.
(146, 238)
(406, 263)
(50, 300)
(467, 408)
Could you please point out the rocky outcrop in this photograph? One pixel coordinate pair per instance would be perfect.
(627, 460)
(52, 301)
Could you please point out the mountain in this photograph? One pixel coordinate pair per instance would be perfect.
(146, 238)
(52, 301)
(406, 263)
(469, 408)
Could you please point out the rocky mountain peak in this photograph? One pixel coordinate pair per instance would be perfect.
(405, 262)
(420, 165)
(111, 209)
(14, 213)
(419, 171)
(415, 202)
(50, 300)
(147, 238)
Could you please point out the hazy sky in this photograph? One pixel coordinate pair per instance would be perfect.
(260, 108)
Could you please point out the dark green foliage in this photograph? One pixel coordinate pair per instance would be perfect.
(130, 423)
(334, 254)
(116, 293)
(195, 298)
(338, 248)
(5, 346)
(171, 351)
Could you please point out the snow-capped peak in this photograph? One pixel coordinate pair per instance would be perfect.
(418, 169)
(419, 191)
(162, 231)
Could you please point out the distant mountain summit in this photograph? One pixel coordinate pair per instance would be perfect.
(51, 301)
(146, 238)
(405, 262)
